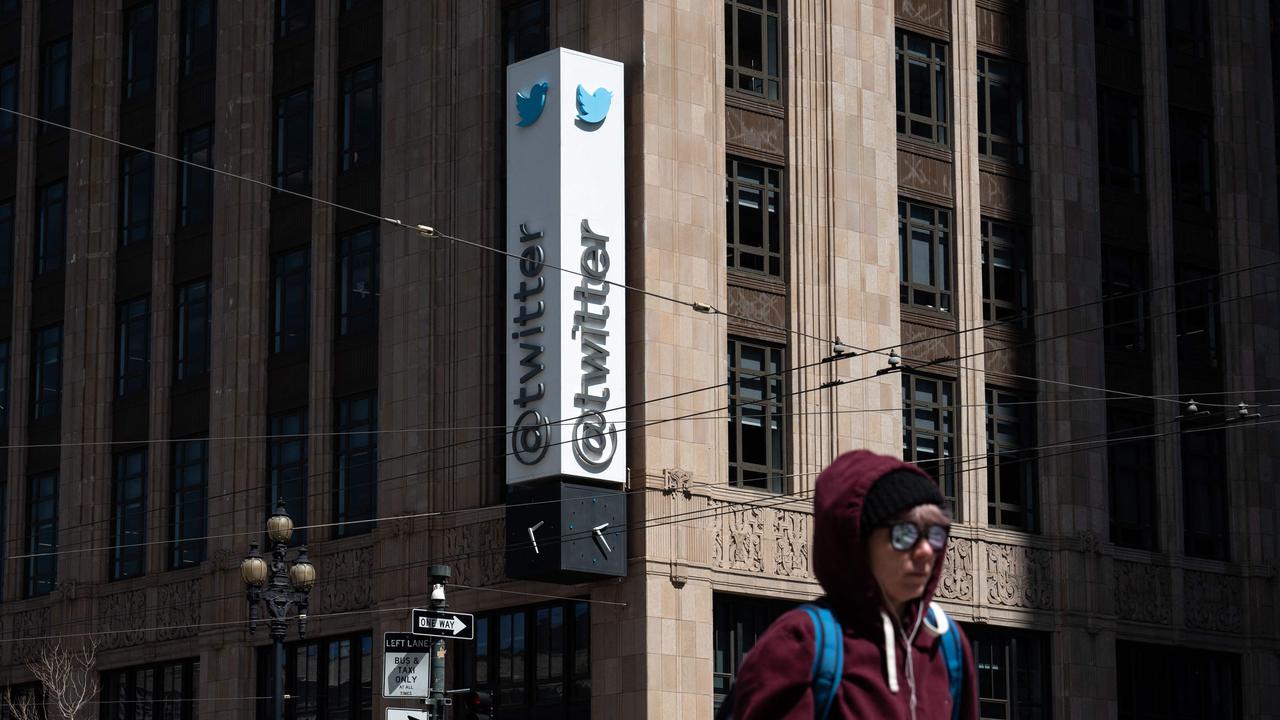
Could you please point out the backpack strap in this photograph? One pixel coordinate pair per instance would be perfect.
(828, 658)
(951, 653)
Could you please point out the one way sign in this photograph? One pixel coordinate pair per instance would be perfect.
(435, 623)
(406, 714)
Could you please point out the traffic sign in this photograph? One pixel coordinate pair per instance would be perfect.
(405, 665)
(458, 626)
(407, 714)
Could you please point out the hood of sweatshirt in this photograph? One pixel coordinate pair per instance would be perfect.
(839, 552)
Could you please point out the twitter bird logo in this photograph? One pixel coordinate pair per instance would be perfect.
(592, 107)
(530, 106)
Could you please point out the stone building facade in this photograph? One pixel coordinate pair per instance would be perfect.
(1061, 215)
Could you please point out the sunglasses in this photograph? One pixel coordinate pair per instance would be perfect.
(904, 536)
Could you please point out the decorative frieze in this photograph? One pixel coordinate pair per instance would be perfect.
(676, 480)
(956, 582)
(346, 581)
(477, 553)
(1143, 592)
(1018, 576)
(932, 13)
(1212, 601)
(177, 613)
(739, 537)
(790, 543)
(28, 630)
(123, 619)
(754, 540)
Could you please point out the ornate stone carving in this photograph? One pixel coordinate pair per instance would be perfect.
(477, 553)
(739, 537)
(926, 12)
(177, 613)
(28, 628)
(123, 618)
(676, 480)
(928, 343)
(1018, 576)
(790, 543)
(345, 581)
(956, 582)
(925, 174)
(754, 130)
(227, 559)
(1001, 192)
(1212, 601)
(995, 28)
(1143, 592)
(1090, 543)
(752, 304)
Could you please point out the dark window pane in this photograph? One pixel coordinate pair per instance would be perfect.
(139, 61)
(921, 87)
(189, 502)
(1119, 141)
(191, 357)
(290, 300)
(753, 205)
(1006, 283)
(527, 24)
(1131, 481)
(195, 184)
(294, 17)
(133, 346)
(1206, 526)
(199, 32)
(358, 282)
(928, 436)
(55, 84)
(1011, 468)
(293, 141)
(136, 182)
(6, 244)
(737, 623)
(359, 134)
(1176, 683)
(287, 469)
(753, 48)
(51, 227)
(757, 425)
(1001, 111)
(925, 262)
(46, 375)
(8, 101)
(129, 515)
(42, 534)
(356, 465)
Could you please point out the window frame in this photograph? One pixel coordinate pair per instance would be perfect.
(313, 673)
(41, 566)
(5, 367)
(287, 477)
(1013, 79)
(51, 212)
(357, 309)
(1025, 656)
(291, 22)
(1011, 412)
(46, 361)
(1120, 169)
(9, 96)
(128, 555)
(771, 407)
(1125, 281)
(1192, 182)
(120, 699)
(55, 84)
(517, 17)
(941, 256)
(1130, 459)
(935, 123)
(189, 503)
(351, 143)
(8, 231)
(737, 622)
(133, 346)
(948, 443)
(197, 41)
(356, 426)
(138, 58)
(1206, 498)
(136, 167)
(764, 82)
(186, 313)
(1011, 242)
(771, 253)
(195, 209)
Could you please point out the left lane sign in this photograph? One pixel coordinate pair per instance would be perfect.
(456, 626)
(405, 667)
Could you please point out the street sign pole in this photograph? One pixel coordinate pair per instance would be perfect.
(440, 574)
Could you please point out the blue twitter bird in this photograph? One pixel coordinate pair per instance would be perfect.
(592, 107)
(530, 106)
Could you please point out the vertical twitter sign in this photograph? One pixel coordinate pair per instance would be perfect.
(566, 310)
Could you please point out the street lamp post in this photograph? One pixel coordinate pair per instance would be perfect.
(278, 586)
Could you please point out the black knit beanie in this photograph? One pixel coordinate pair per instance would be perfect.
(895, 492)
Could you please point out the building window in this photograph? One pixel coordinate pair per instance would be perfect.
(1006, 282)
(1205, 504)
(136, 179)
(191, 357)
(6, 243)
(1187, 31)
(293, 16)
(42, 534)
(922, 88)
(4, 537)
(753, 205)
(1130, 474)
(535, 661)
(924, 255)
(1191, 150)
(195, 184)
(1124, 307)
(1196, 298)
(290, 298)
(24, 701)
(129, 515)
(293, 141)
(199, 33)
(358, 282)
(1117, 16)
(55, 83)
(4, 394)
(527, 29)
(929, 432)
(757, 416)
(165, 690)
(1166, 681)
(751, 47)
(1002, 122)
(1119, 141)
(46, 375)
(51, 227)
(331, 679)
(8, 101)
(355, 496)
(1013, 673)
(737, 623)
(139, 59)
(133, 346)
(1012, 496)
(360, 118)
(189, 499)
(287, 469)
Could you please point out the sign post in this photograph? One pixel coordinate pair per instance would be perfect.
(405, 669)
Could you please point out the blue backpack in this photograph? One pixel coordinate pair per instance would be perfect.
(828, 660)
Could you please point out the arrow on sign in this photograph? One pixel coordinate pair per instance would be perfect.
(453, 624)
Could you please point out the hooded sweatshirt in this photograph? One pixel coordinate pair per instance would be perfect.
(882, 670)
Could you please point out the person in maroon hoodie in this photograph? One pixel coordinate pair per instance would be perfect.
(893, 661)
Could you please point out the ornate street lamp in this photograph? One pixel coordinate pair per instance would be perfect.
(278, 585)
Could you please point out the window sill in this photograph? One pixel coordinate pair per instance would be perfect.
(756, 281)
(928, 149)
(929, 318)
(755, 103)
(998, 166)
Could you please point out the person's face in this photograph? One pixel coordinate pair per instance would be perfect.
(903, 574)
